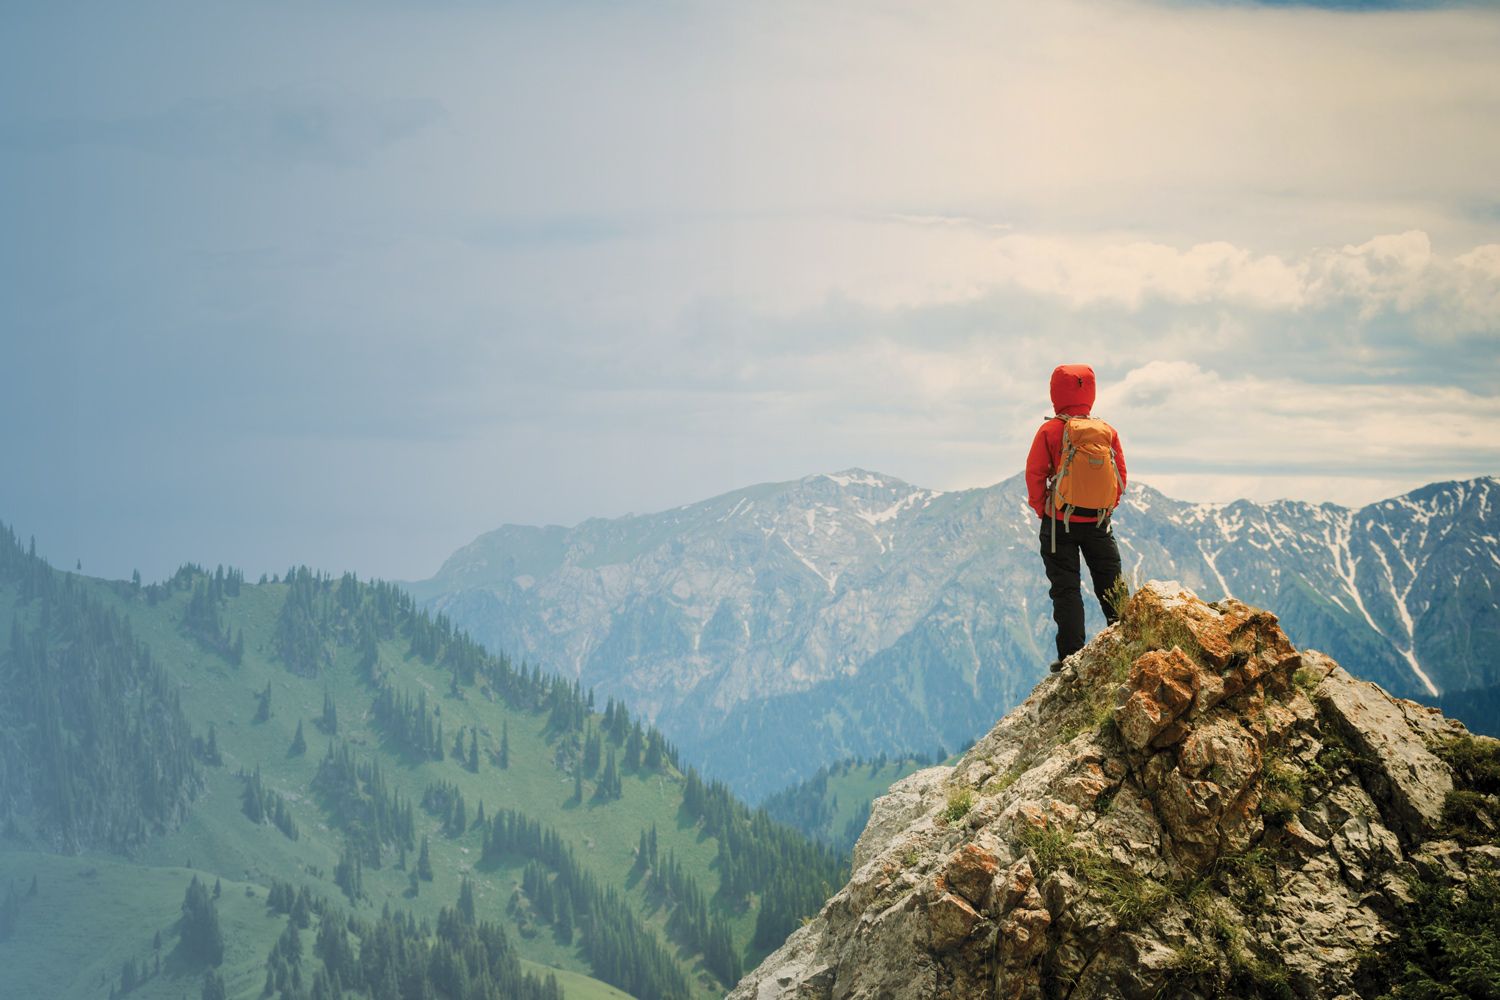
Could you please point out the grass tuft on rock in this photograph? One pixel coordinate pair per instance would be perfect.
(1283, 790)
(1000, 783)
(1471, 811)
(1471, 818)
(1131, 897)
(1307, 679)
(1475, 762)
(960, 801)
(1047, 846)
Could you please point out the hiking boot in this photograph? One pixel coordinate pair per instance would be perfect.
(1055, 666)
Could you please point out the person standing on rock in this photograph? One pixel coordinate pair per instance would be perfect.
(1075, 477)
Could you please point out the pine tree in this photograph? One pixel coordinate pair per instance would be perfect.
(474, 750)
(253, 801)
(201, 936)
(564, 917)
(301, 911)
(609, 782)
(424, 862)
(593, 750)
(329, 722)
(348, 874)
(289, 945)
(460, 817)
(130, 976)
(281, 816)
(634, 746)
(332, 946)
(263, 708)
(369, 651)
(654, 751)
(299, 742)
(466, 899)
(505, 744)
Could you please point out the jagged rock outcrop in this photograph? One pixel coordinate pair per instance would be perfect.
(1191, 808)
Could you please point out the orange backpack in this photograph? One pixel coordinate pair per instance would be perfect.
(1086, 474)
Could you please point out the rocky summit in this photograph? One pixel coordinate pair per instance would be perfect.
(1190, 808)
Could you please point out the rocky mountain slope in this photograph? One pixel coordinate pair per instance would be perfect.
(854, 614)
(1191, 808)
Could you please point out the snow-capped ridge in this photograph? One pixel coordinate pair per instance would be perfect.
(788, 614)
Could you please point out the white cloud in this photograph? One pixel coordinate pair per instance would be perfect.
(1178, 419)
(1130, 274)
(782, 266)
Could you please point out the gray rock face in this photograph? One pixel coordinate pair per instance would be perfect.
(1257, 829)
(909, 798)
(1395, 736)
(854, 614)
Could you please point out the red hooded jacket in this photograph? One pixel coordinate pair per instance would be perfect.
(1072, 394)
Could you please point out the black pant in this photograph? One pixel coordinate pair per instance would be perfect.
(1097, 544)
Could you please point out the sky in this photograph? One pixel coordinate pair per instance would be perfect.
(349, 283)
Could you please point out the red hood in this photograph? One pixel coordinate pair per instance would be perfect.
(1073, 389)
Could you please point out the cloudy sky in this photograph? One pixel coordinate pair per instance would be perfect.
(348, 283)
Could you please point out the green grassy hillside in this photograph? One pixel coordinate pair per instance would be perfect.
(407, 727)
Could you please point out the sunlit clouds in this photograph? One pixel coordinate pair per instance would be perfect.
(351, 283)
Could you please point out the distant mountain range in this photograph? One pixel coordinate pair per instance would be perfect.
(785, 626)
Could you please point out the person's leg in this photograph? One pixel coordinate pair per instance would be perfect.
(1103, 556)
(1067, 597)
